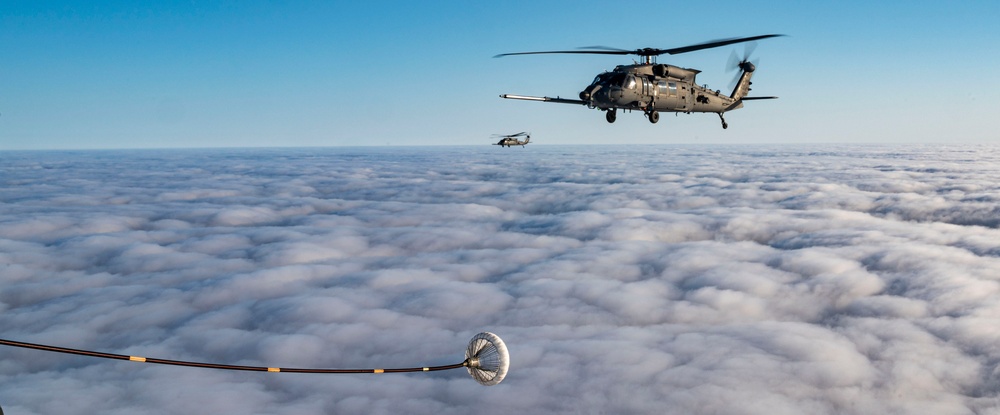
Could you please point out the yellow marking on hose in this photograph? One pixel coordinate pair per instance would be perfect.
(379, 370)
(137, 359)
(427, 369)
(274, 369)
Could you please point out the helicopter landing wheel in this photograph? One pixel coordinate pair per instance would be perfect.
(653, 116)
(611, 115)
(724, 125)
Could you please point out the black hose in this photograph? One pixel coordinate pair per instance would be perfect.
(215, 365)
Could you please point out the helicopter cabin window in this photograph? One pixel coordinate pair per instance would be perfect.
(668, 88)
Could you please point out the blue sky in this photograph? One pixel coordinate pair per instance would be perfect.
(260, 74)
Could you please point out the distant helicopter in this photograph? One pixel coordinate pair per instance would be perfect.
(651, 88)
(511, 140)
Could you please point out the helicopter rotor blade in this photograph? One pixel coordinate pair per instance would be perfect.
(607, 48)
(735, 80)
(604, 50)
(733, 63)
(587, 52)
(716, 43)
(748, 50)
(522, 133)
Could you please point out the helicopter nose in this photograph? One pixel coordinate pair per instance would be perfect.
(588, 93)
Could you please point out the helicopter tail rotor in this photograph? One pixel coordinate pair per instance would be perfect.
(740, 83)
(735, 62)
(744, 64)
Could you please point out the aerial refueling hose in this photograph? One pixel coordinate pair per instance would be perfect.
(486, 359)
(215, 365)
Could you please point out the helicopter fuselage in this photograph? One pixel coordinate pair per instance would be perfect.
(653, 87)
(510, 142)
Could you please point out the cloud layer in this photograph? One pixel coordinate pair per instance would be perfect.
(638, 279)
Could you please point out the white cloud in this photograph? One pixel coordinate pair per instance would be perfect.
(841, 279)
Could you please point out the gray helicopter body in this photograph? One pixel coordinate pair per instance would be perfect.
(656, 87)
(511, 139)
(653, 88)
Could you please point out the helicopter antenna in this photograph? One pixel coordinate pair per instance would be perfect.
(486, 359)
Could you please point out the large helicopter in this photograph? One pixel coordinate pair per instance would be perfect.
(653, 88)
(511, 139)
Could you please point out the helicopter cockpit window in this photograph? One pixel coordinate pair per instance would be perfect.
(601, 78)
(616, 80)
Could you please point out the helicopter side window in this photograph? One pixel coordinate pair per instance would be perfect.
(630, 82)
(673, 88)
